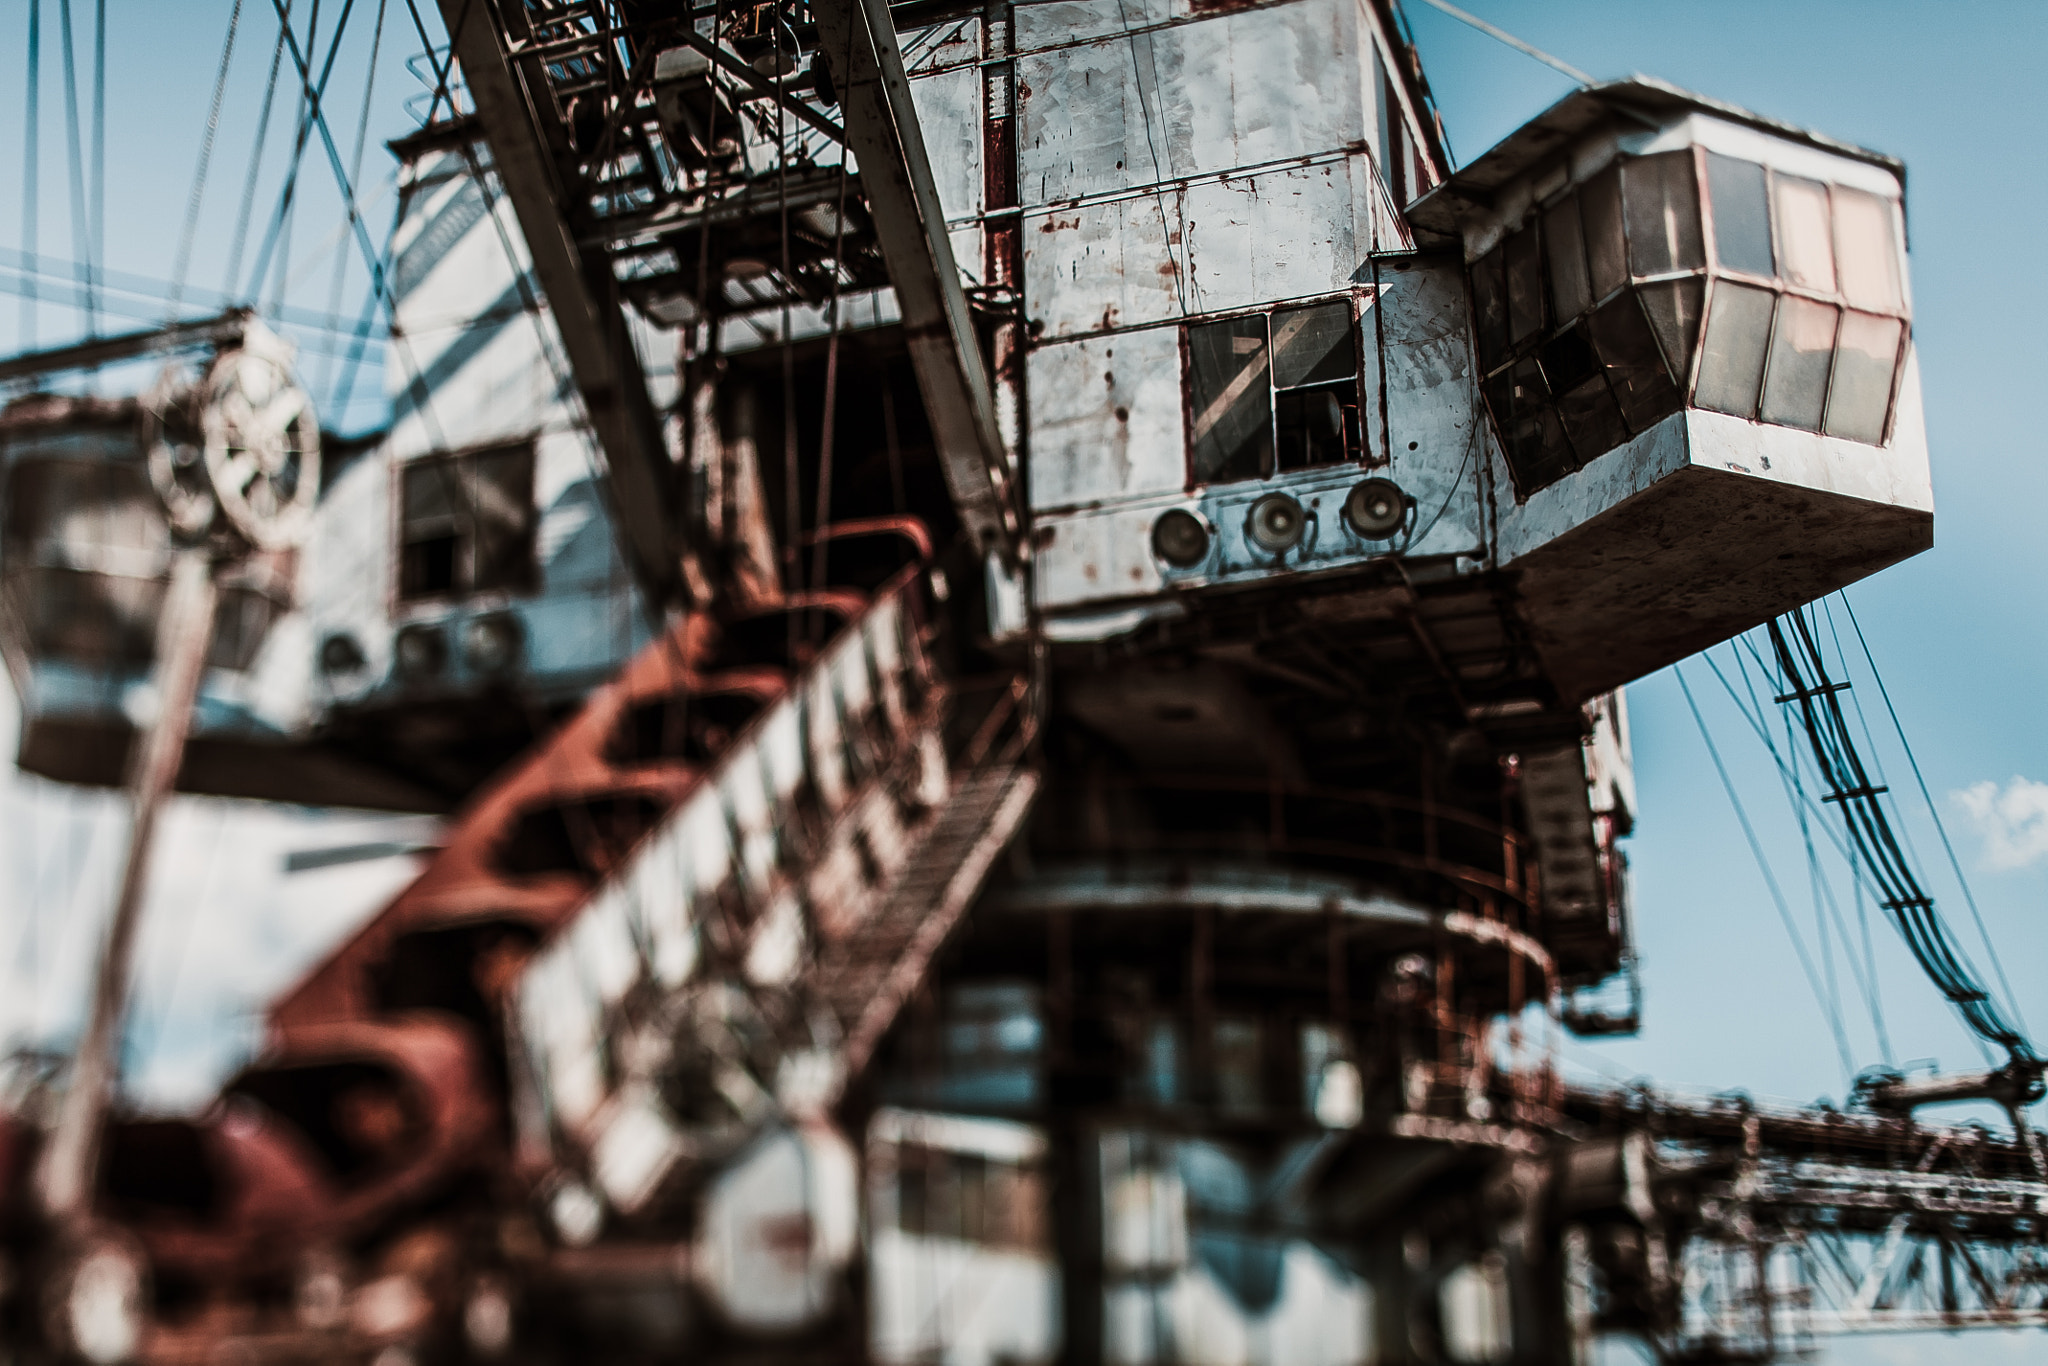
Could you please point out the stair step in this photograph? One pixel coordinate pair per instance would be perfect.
(865, 980)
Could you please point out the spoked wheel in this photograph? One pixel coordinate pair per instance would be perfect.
(262, 448)
(173, 437)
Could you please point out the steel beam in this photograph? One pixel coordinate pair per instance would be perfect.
(857, 40)
(96, 351)
(530, 150)
(68, 1173)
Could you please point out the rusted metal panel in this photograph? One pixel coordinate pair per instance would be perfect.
(1200, 246)
(1423, 412)
(1237, 89)
(1106, 420)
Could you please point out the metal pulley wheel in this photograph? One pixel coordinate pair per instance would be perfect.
(175, 447)
(238, 445)
(262, 446)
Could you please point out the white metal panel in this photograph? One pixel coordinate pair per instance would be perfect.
(1435, 434)
(1106, 419)
(563, 1023)
(605, 952)
(949, 113)
(1087, 557)
(1105, 265)
(1284, 234)
(945, 1299)
(1209, 246)
(1060, 25)
(1241, 89)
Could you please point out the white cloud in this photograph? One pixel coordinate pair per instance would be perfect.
(2012, 820)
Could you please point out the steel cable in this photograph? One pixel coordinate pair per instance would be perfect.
(1940, 828)
(1763, 864)
(1803, 669)
(1825, 906)
(81, 218)
(256, 158)
(356, 174)
(31, 172)
(98, 227)
(183, 261)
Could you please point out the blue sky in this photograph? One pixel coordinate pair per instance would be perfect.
(1955, 90)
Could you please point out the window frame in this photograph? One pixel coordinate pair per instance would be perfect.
(463, 463)
(1357, 299)
(1711, 275)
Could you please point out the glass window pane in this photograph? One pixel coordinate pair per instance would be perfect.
(1673, 308)
(1525, 286)
(1732, 357)
(1490, 308)
(1663, 201)
(1802, 345)
(1742, 214)
(1591, 418)
(428, 567)
(1531, 435)
(1806, 253)
(1862, 392)
(1317, 426)
(1635, 368)
(430, 492)
(1568, 359)
(1230, 401)
(1313, 345)
(502, 488)
(1570, 290)
(1600, 213)
(1867, 249)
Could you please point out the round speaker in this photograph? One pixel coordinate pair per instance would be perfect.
(491, 643)
(1276, 523)
(1180, 539)
(420, 652)
(1376, 509)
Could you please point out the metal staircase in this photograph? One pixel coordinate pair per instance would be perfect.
(864, 979)
(689, 915)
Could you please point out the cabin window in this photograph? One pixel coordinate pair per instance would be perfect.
(1272, 392)
(1688, 276)
(84, 553)
(466, 524)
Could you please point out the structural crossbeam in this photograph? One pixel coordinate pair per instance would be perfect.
(540, 173)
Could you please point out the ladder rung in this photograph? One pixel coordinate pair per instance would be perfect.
(1801, 694)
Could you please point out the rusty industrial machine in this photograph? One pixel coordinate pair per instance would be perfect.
(1021, 611)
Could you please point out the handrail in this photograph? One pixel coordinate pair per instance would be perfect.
(1006, 706)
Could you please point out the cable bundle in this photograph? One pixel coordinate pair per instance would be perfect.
(1806, 682)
